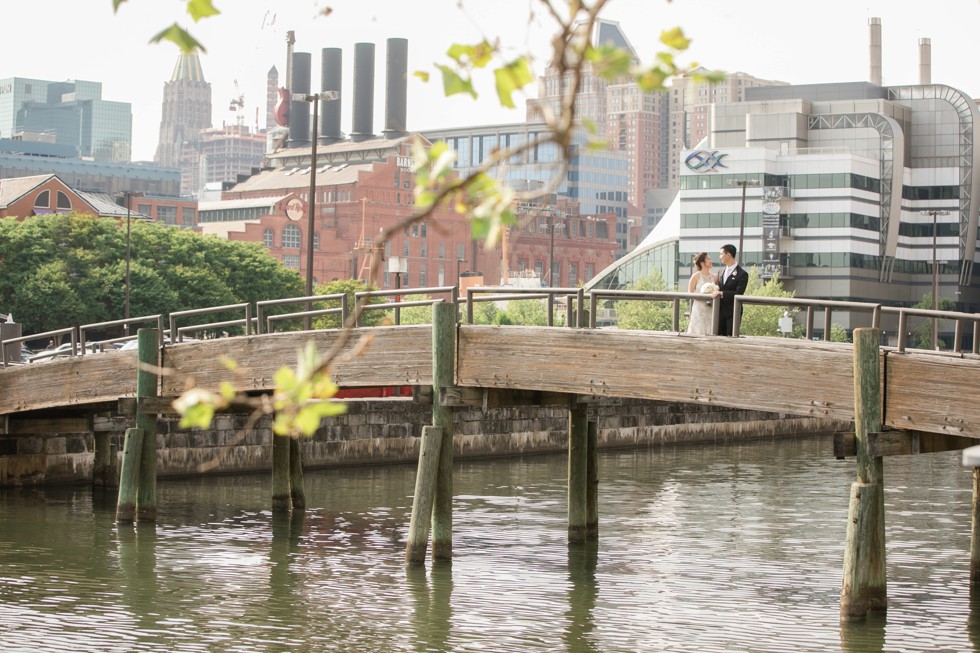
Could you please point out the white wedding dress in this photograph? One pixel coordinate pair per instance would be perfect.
(700, 324)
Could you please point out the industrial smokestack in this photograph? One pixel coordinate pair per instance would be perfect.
(330, 78)
(363, 123)
(299, 111)
(874, 50)
(396, 88)
(925, 61)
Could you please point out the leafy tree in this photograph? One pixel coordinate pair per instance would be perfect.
(61, 270)
(838, 333)
(646, 315)
(412, 314)
(531, 312)
(763, 320)
(348, 287)
(921, 338)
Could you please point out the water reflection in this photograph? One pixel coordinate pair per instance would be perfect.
(432, 603)
(727, 548)
(582, 592)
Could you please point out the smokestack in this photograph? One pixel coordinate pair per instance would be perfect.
(330, 78)
(925, 61)
(874, 25)
(396, 88)
(299, 111)
(363, 123)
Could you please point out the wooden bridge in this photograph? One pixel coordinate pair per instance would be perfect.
(902, 401)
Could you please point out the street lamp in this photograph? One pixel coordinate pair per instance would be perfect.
(935, 276)
(551, 226)
(398, 265)
(458, 261)
(129, 195)
(314, 99)
(744, 183)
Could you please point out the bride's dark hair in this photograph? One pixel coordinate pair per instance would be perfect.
(699, 259)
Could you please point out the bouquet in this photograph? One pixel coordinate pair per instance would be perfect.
(709, 288)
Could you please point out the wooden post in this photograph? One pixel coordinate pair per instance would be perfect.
(864, 584)
(147, 383)
(296, 491)
(425, 491)
(592, 484)
(578, 467)
(443, 376)
(101, 465)
(975, 533)
(128, 481)
(281, 498)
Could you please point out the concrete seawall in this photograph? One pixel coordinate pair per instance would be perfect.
(382, 431)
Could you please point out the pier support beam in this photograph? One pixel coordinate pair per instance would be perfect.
(864, 586)
(975, 536)
(425, 490)
(281, 490)
(147, 384)
(443, 376)
(296, 492)
(129, 478)
(578, 470)
(592, 484)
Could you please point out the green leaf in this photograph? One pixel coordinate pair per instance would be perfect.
(421, 74)
(510, 78)
(453, 83)
(197, 415)
(199, 9)
(610, 62)
(674, 38)
(116, 3)
(307, 421)
(285, 379)
(179, 36)
(226, 390)
(652, 80)
(476, 56)
(589, 125)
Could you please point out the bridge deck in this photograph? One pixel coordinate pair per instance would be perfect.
(922, 391)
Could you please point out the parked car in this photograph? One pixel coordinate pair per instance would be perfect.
(134, 344)
(62, 351)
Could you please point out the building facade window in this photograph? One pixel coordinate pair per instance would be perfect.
(43, 200)
(290, 237)
(291, 260)
(422, 275)
(269, 238)
(63, 201)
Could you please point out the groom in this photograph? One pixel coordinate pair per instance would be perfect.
(731, 281)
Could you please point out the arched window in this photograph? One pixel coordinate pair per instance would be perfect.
(43, 200)
(290, 237)
(269, 238)
(63, 201)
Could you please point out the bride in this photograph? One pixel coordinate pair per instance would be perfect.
(700, 324)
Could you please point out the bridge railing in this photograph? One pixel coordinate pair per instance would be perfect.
(97, 326)
(69, 331)
(574, 297)
(177, 333)
(811, 306)
(961, 319)
(674, 298)
(261, 308)
(362, 300)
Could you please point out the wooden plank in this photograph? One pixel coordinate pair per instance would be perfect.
(75, 381)
(375, 356)
(495, 398)
(900, 443)
(935, 393)
(46, 425)
(813, 379)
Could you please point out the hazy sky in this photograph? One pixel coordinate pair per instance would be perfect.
(788, 40)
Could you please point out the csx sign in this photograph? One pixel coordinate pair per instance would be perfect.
(705, 161)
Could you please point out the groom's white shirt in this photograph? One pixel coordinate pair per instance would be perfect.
(728, 272)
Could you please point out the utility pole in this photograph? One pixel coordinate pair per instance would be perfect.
(935, 276)
(741, 221)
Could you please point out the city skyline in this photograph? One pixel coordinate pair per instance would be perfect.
(820, 46)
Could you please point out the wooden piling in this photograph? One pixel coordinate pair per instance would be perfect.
(129, 479)
(101, 464)
(443, 376)
(578, 466)
(864, 585)
(975, 535)
(425, 491)
(281, 499)
(147, 383)
(296, 492)
(592, 483)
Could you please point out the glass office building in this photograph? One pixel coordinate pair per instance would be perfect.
(69, 113)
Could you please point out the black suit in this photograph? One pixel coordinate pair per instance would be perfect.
(735, 285)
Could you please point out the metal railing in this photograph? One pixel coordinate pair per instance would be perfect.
(811, 305)
(495, 294)
(961, 320)
(262, 307)
(362, 300)
(675, 298)
(98, 326)
(574, 298)
(177, 334)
